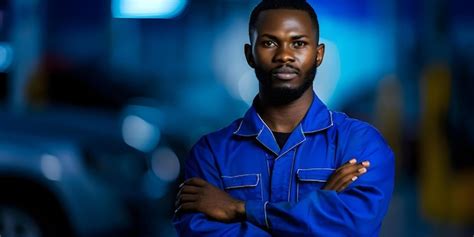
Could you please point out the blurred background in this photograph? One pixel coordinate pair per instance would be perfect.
(100, 102)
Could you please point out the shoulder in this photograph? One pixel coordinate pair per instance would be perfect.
(357, 134)
(203, 152)
(220, 136)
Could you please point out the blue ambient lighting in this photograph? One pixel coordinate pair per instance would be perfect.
(163, 9)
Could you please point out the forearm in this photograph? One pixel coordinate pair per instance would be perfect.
(322, 213)
(197, 224)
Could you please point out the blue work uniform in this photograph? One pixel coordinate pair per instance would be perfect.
(282, 187)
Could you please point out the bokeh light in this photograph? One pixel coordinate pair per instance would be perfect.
(139, 133)
(165, 164)
(51, 167)
(147, 8)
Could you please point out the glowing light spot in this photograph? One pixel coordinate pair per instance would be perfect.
(51, 167)
(139, 133)
(163, 9)
(165, 164)
(329, 73)
(6, 56)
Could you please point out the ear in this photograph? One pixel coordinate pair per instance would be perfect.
(249, 55)
(320, 54)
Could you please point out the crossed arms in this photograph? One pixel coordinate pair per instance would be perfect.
(339, 209)
(197, 195)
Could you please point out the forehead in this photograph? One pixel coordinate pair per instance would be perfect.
(284, 21)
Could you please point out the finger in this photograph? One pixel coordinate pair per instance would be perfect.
(347, 169)
(345, 183)
(342, 177)
(349, 163)
(341, 173)
(361, 168)
(332, 181)
(185, 198)
(188, 190)
(346, 180)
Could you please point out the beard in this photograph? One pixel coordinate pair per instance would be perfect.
(278, 96)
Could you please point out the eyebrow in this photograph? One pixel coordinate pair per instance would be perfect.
(294, 37)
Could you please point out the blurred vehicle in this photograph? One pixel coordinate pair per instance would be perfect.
(68, 173)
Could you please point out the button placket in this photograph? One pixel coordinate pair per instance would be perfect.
(281, 177)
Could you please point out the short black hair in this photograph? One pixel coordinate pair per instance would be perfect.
(282, 4)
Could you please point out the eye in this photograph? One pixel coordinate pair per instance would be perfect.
(299, 44)
(268, 44)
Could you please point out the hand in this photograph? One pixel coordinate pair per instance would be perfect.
(346, 174)
(197, 195)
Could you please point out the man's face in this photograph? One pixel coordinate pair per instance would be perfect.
(284, 53)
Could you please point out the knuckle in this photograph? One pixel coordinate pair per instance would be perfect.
(339, 172)
(344, 171)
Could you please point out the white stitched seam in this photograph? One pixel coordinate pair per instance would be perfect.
(332, 123)
(261, 188)
(265, 212)
(264, 143)
(267, 146)
(240, 125)
(290, 149)
(243, 135)
(291, 175)
(241, 175)
(242, 186)
(264, 124)
(291, 171)
(260, 132)
(310, 180)
(304, 139)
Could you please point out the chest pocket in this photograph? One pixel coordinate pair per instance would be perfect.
(309, 180)
(244, 187)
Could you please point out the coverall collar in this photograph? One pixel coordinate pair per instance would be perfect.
(318, 118)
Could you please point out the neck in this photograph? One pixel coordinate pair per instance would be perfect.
(285, 118)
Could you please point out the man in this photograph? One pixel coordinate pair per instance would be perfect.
(287, 167)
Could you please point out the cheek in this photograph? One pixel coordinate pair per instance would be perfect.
(306, 59)
(263, 57)
(306, 56)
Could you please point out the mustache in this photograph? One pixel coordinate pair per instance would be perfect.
(287, 68)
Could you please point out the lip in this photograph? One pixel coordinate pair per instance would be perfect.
(285, 73)
(286, 76)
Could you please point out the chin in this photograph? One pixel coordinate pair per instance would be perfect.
(285, 86)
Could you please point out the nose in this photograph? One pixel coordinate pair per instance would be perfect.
(284, 55)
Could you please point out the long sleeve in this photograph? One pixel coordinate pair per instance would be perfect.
(201, 163)
(357, 211)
